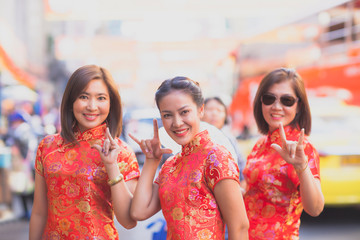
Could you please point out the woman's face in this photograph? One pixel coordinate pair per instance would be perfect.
(92, 106)
(277, 112)
(180, 116)
(214, 113)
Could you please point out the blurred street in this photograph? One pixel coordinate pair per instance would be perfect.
(332, 224)
(142, 43)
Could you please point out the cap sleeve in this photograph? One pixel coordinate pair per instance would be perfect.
(220, 165)
(127, 162)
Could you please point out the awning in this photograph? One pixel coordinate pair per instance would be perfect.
(21, 76)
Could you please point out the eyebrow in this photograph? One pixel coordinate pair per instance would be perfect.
(97, 94)
(168, 111)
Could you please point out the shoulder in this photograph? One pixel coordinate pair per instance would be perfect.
(125, 147)
(309, 147)
(49, 144)
(218, 152)
(53, 139)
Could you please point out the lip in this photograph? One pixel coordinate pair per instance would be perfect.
(276, 116)
(181, 132)
(90, 117)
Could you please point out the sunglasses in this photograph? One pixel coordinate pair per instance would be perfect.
(285, 100)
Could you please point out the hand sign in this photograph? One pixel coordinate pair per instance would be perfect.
(291, 151)
(152, 147)
(110, 149)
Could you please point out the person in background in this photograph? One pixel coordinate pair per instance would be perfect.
(215, 113)
(23, 142)
(282, 170)
(197, 189)
(85, 174)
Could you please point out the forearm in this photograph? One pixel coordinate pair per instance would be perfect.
(121, 201)
(121, 197)
(310, 191)
(36, 226)
(145, 203)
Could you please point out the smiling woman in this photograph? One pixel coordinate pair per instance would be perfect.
(88, 153)
(282, 172)
(200, 183)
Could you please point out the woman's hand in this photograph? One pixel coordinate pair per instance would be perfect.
(152, 147)
(109, 151)
(291, 151)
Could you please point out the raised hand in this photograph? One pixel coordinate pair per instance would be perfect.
(110, 149)
(292, 151)
(152, 147)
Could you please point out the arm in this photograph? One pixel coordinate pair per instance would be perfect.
(146, 200)
(229, 198)
(120, 193)
(39, 209)
(310, 189)
(121, 197)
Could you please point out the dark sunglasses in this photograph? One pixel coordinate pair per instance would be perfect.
(285, 100)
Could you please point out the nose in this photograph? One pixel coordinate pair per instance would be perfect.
(277, 104)
(91, 105)
(177, 121)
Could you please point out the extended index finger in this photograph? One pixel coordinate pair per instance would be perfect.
(134, 138)
(112, 141)
(156, 128)
(282, 134)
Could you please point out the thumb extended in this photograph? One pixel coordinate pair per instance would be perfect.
(276, 147)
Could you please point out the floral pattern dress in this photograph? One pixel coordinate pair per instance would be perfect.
(186, 189)
(79, 198)
(272, 199)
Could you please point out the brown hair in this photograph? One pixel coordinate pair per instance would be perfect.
(303, 115)
(183, 84)
(76, 84)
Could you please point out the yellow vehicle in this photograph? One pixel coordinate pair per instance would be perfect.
(336, 136)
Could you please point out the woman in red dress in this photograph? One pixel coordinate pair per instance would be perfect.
(197, 189)
(85, 174)
(282, 171)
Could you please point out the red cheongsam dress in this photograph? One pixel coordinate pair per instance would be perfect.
(186, 189)
(79, 198)
(272, 198)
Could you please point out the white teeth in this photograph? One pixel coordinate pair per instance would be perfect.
(90, 116)
(180, 132)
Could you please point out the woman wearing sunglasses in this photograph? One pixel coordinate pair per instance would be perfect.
(282, 171)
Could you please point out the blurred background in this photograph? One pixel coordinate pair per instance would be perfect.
(227, 46)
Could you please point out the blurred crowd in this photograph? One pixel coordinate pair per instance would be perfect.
(22, 125)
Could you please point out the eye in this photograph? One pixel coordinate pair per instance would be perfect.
(167, 115)
(83, 97)
(185, 112)
(102, 98)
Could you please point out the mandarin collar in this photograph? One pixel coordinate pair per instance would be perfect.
(92, 133)
(198, 140)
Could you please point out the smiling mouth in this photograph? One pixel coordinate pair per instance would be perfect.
(276, 116)
(90, 116)
(180, 133)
